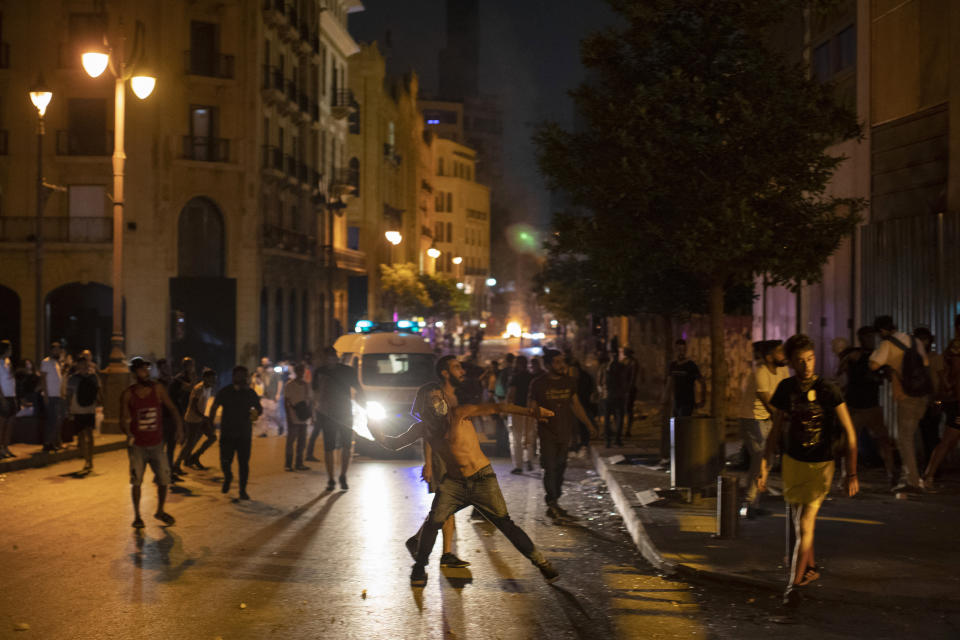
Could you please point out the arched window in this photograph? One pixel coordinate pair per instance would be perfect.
(200, 240)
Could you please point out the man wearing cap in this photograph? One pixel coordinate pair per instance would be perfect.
(142, 408)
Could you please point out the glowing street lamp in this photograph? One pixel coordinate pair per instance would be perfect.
(394, 237)
(433, 252)
(40, 96)
(491, 282)
(457, 260)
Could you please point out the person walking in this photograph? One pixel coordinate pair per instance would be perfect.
(950, 393)
(333, 413)
(51, 383)
(142, 408)
(680, 393)
(612, 388)
(241, 407)
(197, 422)
(905, 361)
(556, 392)
(755, 425)
(863, 397)
(523, 430)
(84, 395)
(811, 418)
(298, 398)
(165, 377)
(468, 478)
(8, 398)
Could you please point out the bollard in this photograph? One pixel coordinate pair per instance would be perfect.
(727, 506)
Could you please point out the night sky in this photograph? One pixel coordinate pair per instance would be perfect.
(529, 56)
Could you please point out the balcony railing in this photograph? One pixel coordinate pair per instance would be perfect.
(342, 103)
(57, 229)
(276, 237)
(206, 149)
(350, 260)
(4, 55)
(216, 66)
(76, 143)
(272, 158)
(346, 177)
(272, 78)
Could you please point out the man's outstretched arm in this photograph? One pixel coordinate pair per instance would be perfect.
(471, 410)
(405, 439)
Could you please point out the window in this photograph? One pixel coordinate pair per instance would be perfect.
(204, 48)
(439, 166)
(469, 172)
(438, 232)
(202, 143)
(86, 201)
(847, 48)
(450, 202)
(353, 238)
(87, 123)
(837, 54)
(391, 135)
(449, 232)
(397, 369)
(266, 132)
(323, 70)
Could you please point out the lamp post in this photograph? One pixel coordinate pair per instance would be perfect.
(95, 62)
(40, 96)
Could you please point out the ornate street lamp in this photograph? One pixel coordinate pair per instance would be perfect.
(40, 96)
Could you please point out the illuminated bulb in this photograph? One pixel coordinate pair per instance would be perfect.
(142, 86)
(40, 100)
(394, 237)
(94, 63)
(457, 260)
(433, 252)
(491, 282)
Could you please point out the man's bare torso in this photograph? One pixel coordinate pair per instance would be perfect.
(459, 447)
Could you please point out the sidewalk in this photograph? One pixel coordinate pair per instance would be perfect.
(32, 455)
(873, 549)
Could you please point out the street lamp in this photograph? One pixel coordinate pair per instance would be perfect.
(457, 260)
(40, 96)
(394, 237)
(433, 252)
(95, 61)
(491, 282)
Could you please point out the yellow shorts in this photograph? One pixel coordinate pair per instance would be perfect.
(806, 482)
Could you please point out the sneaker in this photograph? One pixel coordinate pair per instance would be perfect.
(907, 488)
(412, 544)
(566, 515)
(451, 561)
(244, 495)
(312, 459)
(792, 597)
(196, 465)
(302, 467)
(164, 517)
(178, 470)
(516, 471)
(548, 572)
(418, 576)
(553, 512)
(288, 468)
(529, 466)
(138, 523)
(343, 483)
(226, 486)
(331, 485)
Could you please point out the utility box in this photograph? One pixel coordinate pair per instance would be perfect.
(695, 460)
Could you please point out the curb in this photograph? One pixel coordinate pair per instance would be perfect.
(41, 459)
(636, 526)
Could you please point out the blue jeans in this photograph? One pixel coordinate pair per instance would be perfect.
(483, 492)
(52, 420)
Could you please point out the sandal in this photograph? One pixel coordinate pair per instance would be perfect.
(812, 573)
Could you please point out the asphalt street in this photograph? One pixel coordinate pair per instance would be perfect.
(300, 562)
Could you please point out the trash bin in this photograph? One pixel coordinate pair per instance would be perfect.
(727, 506)
(694, 453)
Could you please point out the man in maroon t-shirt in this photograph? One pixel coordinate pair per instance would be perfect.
(141, 418)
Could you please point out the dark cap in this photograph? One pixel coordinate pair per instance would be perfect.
(138, 363)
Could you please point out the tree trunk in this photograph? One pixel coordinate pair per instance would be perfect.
(718, 362)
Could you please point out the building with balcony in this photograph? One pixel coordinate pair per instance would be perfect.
(236, 174)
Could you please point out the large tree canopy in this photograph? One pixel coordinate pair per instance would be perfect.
(702, 161)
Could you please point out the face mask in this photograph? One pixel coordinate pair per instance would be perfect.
(439, 406)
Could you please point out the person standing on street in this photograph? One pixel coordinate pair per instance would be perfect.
(863, 397)
(811, 418)
(165, 377)
(951, 408)
(197, 422)
(51, 383)
(680, 395)
(333, 414)
(241, 407)
(612, 387)
(84, 394)
(142, 407)
(468, 478)
(556, 392)
(8, 398)
(930, 423)
(769, 371)
(632, 368)
(905, 360)
(523, 430)
(299, 405)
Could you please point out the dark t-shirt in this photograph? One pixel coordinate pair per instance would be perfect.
(520, 380)
(810, 418)
(863, 385)
(684, 374)
(331, 386)
(555, 394)
(236, 403)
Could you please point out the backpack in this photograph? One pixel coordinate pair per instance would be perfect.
(87, 389)
(503, 383)
(915, 376)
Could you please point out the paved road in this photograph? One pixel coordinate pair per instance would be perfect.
(300, 559)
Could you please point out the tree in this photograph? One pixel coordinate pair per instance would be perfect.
(402, 289)
(445, 299)
(703, 162)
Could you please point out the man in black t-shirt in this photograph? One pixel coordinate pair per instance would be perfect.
(523, 430)
(682, 379)
(333, 414)
(241, 406)
(810, 418)
(863, 396)
(556, 391)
